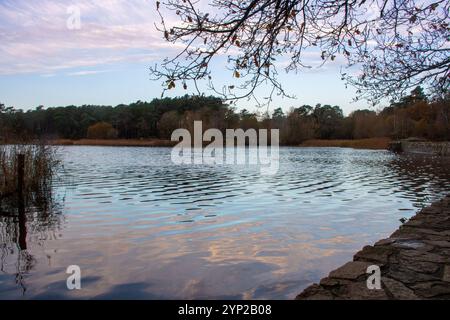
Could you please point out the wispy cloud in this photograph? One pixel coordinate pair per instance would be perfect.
(48, 75)
(86, 72)
(35, 37)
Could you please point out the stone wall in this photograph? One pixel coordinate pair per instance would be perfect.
(414, 263)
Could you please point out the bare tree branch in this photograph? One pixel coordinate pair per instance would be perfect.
(397, 44)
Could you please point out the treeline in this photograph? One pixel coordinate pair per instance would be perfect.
(414, 116)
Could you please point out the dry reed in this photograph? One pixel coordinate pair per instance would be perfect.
(41, 163)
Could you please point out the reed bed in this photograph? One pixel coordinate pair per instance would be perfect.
(115, 142)
(40, 165)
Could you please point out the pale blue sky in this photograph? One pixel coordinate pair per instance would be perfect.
(43, 62)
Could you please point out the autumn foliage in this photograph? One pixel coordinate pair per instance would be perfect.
(101, 130)
(415, 115)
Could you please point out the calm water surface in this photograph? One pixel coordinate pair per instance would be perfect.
(141, 227)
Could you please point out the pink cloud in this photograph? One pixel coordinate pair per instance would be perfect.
(35, 37)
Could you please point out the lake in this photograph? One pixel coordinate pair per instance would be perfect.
(141, 227)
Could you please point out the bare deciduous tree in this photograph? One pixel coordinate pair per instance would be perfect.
(396, 44)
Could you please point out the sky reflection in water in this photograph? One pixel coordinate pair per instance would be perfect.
(142, 228)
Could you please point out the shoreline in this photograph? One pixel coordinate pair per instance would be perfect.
(414, 263)
(114, 142)
(371, 143)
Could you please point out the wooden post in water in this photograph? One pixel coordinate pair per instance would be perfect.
(20, 174)
(20, 204)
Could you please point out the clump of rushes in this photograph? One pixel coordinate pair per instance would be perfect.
(40, 165)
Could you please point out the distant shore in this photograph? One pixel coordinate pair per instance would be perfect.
(115, 142)
(372, 143)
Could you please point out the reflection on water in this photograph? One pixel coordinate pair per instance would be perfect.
(141, 227)
(18, 226)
